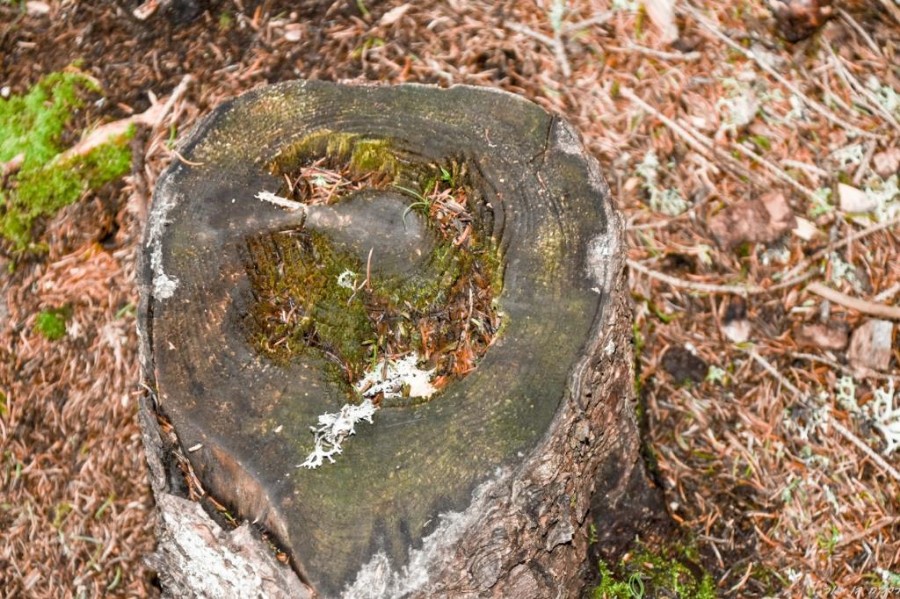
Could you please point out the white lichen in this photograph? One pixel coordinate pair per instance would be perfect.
(821, 203)
(347, 280)
(666, 201)
(886, 194)
(848, 155)
(400, 378)
(391, 379)
(886, 96)
(163, 285)
(277, 200)
(333, 430)
(885, 416)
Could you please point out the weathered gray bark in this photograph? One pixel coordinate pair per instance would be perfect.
(486, 490)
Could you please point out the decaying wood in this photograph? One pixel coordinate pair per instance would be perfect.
(489, 489)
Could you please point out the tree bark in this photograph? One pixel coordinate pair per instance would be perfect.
(492, 487)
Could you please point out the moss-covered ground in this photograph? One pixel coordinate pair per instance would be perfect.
(40, 180)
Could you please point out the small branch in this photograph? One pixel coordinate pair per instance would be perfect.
(862, 32)
(598, 19)
(864, 306)
(152, 117)
(694, 286)
(712, 288)
(840, 428)
(887, 293)
(817, 107)
(670, 56)
(277, 200)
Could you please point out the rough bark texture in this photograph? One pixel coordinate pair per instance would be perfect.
(489, 489)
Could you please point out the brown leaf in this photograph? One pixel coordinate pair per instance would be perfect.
(763, 220)
(822, 336)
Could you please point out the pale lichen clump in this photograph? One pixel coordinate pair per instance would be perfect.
(333, 429)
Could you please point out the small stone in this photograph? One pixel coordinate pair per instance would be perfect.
(684, 366)
(37, 9)
(887, 163)
(763, 220)
(870, 345)
(805, 229)
(855, 200)
(293, 32)
(822, 336)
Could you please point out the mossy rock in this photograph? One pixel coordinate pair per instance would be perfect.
(394, 506)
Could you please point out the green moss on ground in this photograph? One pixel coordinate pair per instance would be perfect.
(52, 323)
(652, 574)
(32, 126)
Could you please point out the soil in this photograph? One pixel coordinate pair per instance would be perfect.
(777, 500)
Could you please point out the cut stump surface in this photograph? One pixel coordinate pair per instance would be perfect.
(485, 488)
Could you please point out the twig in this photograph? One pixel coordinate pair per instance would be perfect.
(854, 303)
(805, 166)
(598, 19)
(817, 107)
(869, 373)
(694, 286)
(712, 288)
(863, 167)
(177, 93)
(554, 44)
(185, 160)
(840, 428)
(672, 56)
(277, 200)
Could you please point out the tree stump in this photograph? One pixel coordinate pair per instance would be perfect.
(484, 488)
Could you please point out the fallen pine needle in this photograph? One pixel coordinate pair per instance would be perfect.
(840, 428)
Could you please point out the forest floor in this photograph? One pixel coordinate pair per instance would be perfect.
(757, 178)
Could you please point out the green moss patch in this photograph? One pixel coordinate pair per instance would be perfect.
(51, 324)
(650, 574)
(32, 126)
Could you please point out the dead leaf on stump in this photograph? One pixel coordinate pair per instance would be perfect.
(870, 345)
(763, 220)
